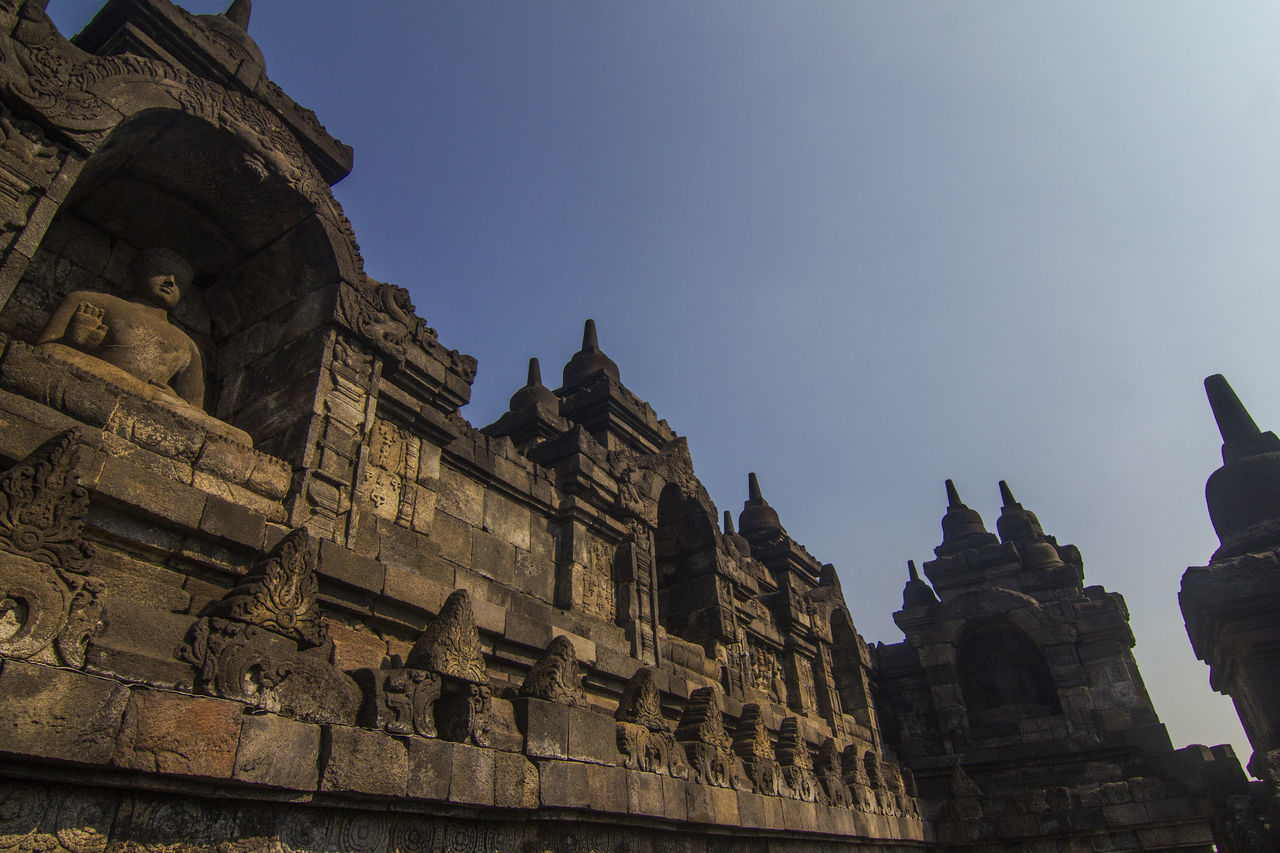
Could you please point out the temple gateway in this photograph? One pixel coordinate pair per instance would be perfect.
(262, 587)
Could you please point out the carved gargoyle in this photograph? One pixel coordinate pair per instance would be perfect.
(556, 676)
(50, 608)
(644, 738)
(264, 642)
(710, 752)
(751, 743)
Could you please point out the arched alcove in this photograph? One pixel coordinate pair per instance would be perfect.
(1002, 670)
(685, 556)
(265, 270)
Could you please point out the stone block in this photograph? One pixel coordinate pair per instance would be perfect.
(279, 752)
(461, 497)
(507, 520)
(608, 787)
(700, 802)
(516, 783)
(565, 784)
(150, 493)
(345, 566)
(545, 726)
(421, 592)
(137, 645)
(592, 737)
(644, 794)
(356, 647)
(724, 805)
(363, 761)
(751, 810)
(799, 816)
(535, 575)
(493, 558)
(472, 782)
(233, 522)
(175, 733)
(454, 538)
(57, 714)
(504, 733)
(430, 768)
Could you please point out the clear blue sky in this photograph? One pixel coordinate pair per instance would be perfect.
(855, 247)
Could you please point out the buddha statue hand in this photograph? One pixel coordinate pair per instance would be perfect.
(86, 329)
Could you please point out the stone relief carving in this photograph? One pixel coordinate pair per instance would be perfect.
(797, 764)
(710, 752)
(50, 607)
(36, 818)
(556, 677)
(767, 674)
(264, 642)
(384, 314)
(644, 738)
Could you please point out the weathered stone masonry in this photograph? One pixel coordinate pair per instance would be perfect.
(324, 612)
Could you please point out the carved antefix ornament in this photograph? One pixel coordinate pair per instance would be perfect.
(49, 607)
(644, 738)
(556, 677)
(830, 776)
(708, 747)
(450, 648)
(751, 743)
(265, 644)
(797, 764)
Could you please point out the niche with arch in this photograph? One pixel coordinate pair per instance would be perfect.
(1004, 676)
(265, 270)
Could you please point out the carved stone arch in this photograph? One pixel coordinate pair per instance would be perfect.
(1019, 609)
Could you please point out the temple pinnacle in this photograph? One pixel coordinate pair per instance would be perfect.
(911, 568)
(1006, 495)
(589, 341)
(535, 373)
(238, 13)
(753, 488)
(728, 522)
(1234, 421)
(953, 497)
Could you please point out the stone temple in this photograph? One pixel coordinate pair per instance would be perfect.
(262, 587)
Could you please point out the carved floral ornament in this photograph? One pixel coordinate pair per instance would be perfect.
(50, 607)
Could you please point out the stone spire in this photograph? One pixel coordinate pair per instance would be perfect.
(757, 515)
(589, 362)
(238, 13)
(962, 527)
(1244, 494)
(917, 593)
(744, 547)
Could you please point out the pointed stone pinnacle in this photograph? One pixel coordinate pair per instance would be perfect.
(753, 488)
(1006, 495)
(1234, 421)
(535, 374)
(238, 13)
(728, 522)
(911, 567)
(589, 341)
(953, 497)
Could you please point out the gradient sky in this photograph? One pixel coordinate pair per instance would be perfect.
(855, 247)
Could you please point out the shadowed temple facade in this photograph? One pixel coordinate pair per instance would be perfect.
(262, 587)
